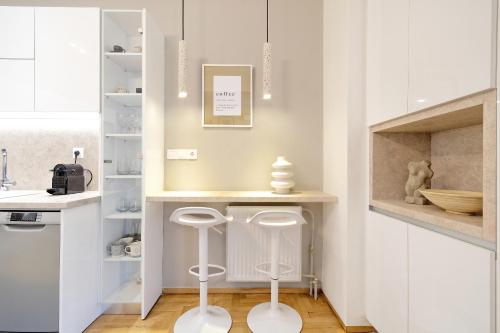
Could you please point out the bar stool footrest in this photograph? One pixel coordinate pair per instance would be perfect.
(193, 272)
(287, 268)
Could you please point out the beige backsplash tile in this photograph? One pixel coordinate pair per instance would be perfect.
(36, 146)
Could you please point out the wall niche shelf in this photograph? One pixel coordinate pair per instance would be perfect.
(459, 138)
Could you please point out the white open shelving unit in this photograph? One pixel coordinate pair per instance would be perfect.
(132, 284)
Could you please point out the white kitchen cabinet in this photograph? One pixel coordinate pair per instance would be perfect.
(387, 59)
(16, 85)
(17, 32)
(451, 285)
(67, 61)
(452, 50)
(386, 273)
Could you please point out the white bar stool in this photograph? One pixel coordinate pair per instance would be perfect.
(274, 317)
(204, 318)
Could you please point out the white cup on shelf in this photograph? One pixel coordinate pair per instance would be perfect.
(134, 249)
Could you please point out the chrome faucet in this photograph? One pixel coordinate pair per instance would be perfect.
(5, 182)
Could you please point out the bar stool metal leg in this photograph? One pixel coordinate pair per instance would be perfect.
(203, 271)
(205, 318)
(275, 268)
(273, 317)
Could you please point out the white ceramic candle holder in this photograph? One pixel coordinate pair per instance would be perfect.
(282, 176)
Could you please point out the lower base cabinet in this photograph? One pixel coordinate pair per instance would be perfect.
(420, 281)
(451, 284)
(387, 273)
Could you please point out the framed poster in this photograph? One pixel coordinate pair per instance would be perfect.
(227, 96)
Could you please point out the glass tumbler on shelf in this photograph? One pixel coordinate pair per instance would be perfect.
(123, 205)
(135, 206)
(123, 165)
(135, 122)
(136, 165)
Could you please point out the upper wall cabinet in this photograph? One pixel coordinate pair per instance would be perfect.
(18, 32)
(387, 59)
(452, 50)
(67, 61)
(16, 85)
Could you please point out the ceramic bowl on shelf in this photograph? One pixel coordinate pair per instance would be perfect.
(456, 202)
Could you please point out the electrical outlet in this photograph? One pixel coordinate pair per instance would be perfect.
(182, 154)
(81, 150)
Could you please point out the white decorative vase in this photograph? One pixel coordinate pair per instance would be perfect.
(282, 176)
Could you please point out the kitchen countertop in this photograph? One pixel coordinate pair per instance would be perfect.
(43, 201)
(241, 196)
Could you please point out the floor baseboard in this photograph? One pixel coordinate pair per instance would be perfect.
(350, 329)
(173, 291)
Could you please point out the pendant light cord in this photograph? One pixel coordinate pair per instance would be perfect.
(182, 19)
(267, 21)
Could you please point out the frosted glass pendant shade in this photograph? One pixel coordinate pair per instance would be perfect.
(182, 69)
(267, 71)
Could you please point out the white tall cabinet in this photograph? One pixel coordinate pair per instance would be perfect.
(133, 158)
(452, 50)
(387, 273)
(387, 59)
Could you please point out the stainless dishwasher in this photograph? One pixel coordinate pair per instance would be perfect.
(29, 271)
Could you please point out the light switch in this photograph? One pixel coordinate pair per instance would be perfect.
(182, 154)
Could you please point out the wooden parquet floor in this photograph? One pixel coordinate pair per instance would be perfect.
(316, 315)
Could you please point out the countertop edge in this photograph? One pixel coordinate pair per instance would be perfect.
(30, 202)
(243, 196)
(474, 240)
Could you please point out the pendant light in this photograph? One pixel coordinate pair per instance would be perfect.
(182, 62)
(267, 61)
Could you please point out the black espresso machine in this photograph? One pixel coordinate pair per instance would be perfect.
(68, 179)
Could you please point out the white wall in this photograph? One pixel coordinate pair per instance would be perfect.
(345, 157)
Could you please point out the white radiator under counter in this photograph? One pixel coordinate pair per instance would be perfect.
(249, 245)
